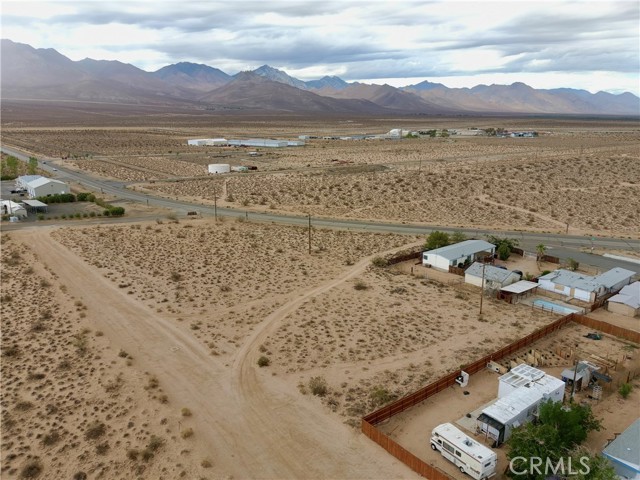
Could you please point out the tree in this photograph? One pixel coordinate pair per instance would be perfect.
(457, 237)
(572, 424)
(504, 245)
(560, 430)
(33, 165)
(540, 251)
(437, 239)
(599, 467)
(504, 252)
(572, 264)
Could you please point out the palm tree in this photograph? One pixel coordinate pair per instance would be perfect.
(540, 251)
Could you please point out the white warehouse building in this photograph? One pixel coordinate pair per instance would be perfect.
(219, 168)
(201, 142)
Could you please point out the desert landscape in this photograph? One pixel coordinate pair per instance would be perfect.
(162, 346)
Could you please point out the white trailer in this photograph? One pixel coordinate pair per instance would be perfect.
(469, 456)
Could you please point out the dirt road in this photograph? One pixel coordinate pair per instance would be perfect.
(252, 424)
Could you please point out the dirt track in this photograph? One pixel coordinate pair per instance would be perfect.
(252, 424)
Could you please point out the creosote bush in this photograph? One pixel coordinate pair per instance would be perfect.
(318, 386)
(264, 361)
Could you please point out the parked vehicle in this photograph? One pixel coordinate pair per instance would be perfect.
(468, 455)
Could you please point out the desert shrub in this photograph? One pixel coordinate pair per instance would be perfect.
(132, 453)
(95, 430)
(187, 432)
(185, 412)
(206, 463)
(263, 361)
(155, 443)
(379, 262)
(116, 211)
(102, 449)
(51, 438)
(32, 469)
(152, 383)
(106, 213)
(318, 386)
(360, 285)
(625, 390)
(176, 276)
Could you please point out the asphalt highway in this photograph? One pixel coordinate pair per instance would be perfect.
(562, 246)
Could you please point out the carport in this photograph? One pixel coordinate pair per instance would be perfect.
(36, 206)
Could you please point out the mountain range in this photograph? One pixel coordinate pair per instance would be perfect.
(29, 73)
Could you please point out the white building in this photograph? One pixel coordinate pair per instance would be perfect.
(585, 287)
(520, 393)
(13, 209)
(260, 142)
(458, 253)
(23, 180)
(624, 452)
(494, 278)
(627, 301)
(209, 142)
(219, 168)
(44, 187)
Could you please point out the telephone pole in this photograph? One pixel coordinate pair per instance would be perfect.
(482, 289)
(309, 215)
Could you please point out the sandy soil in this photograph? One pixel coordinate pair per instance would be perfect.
(413, 427)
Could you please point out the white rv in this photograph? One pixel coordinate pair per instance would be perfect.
(469, 456)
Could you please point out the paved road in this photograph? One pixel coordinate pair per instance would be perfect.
(562, 246)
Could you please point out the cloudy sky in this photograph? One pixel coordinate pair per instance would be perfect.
(594, 45)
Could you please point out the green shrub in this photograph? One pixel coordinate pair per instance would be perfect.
(106, 213)
(264, 361)
(116, 211)
(379, 262)
(625, 390)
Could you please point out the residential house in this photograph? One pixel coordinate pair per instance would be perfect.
(494, 277)
(457, 254)
(585, 287)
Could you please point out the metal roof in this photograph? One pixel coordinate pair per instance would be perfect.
(520, 287)
(35, 203)
(491, 273)
(613, 277)
(572, 280)
(38, 182)
(626, 446)
(629, 295)
(461, 249)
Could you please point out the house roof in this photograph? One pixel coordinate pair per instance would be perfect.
(572, 280)
(520, 287)
(614, 276)
(491, 273)
(38, 182)
(587, 282)
(625, 446)
(457, 250)
(23, 179)
(629, 295)
(539, 386)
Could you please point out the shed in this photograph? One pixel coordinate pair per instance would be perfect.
(581, 374)
(624, 452)
(458, 253)
(627, 301)
(36, 206)
(516, 291)
(494, 278)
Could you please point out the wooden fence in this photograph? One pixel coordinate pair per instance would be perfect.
(550, 259)
(403, 257)
(369, 422)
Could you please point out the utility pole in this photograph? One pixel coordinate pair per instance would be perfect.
(482, 289)
(575, 374)
(215, 204)
(309, 215)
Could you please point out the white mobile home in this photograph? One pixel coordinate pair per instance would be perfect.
(209, 142)
(458, 253)
(522, 390)
(469, 456)
(494, 278)
(585, 287)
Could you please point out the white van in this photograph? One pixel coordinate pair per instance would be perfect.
(469, 456)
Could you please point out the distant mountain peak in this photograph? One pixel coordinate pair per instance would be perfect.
(276, 75)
